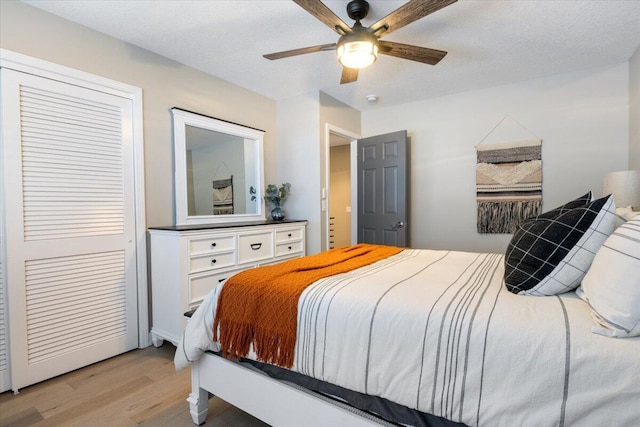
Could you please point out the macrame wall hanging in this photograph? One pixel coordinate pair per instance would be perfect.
(508, 182)
(223, 193)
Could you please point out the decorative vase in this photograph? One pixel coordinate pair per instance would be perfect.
(277, 213)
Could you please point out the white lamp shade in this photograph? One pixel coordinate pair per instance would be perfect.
(357, 54)
(625, 187)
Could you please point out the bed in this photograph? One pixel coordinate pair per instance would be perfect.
(438, 335)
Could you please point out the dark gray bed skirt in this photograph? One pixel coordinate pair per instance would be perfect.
(378, 407)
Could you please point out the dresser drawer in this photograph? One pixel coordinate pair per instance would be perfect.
(255, 246)
(200, 285)
(183, 272)
(212, 244)
(211, 261)
(289, 234)
(291, 248)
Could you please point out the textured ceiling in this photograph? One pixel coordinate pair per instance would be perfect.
(489, 42)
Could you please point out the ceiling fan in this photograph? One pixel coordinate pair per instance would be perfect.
(358, 47)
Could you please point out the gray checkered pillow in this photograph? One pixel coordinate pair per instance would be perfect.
(580, 201)
(550, 254)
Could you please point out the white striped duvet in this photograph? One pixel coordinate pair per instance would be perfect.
(437, 331)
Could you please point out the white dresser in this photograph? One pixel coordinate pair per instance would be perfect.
(188, 261)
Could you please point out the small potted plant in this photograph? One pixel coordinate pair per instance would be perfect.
(276, 196)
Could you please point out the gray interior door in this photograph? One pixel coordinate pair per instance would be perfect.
(383, 200)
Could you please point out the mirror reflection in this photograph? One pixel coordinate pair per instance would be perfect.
(220, 173)
(218, 170)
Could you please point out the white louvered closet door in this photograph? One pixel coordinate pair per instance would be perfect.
(5, 380)
(70, 226)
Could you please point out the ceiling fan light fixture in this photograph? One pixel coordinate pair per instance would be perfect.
(358, 47)
(357, 54)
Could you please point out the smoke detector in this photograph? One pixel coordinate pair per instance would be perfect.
(372, 99)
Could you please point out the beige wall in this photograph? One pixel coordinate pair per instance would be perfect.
(340, 115)
(164, 83)
(578, 115)
(634, 110)
(302, 152)
(298, 161)
(582, 118)
(340, 189)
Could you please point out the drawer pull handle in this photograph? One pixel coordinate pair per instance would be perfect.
(214, 244)
(290, 248)
(256, 246)
(222, 280)
(213, 261)
(289, 234)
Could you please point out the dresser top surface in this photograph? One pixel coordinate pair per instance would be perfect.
(195, 227)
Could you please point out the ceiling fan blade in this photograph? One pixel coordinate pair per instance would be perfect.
(301, 51)
(407, 13)
(412, 53)
(349, 75)
(324, 14)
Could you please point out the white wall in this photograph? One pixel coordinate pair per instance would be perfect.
(582, 118)
(164, 83)
(634, 110)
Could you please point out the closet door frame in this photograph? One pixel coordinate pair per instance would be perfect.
(26, 64)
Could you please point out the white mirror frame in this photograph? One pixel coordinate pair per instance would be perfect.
(182, 118)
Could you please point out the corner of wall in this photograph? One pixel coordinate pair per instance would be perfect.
(297, 161)
(338, 115)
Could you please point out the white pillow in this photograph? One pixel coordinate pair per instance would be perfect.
(625, 214)
(612, 284)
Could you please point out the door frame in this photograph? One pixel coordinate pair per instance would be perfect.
(27, 64)
(353, 137)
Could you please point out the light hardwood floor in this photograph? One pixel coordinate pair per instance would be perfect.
(138, 388)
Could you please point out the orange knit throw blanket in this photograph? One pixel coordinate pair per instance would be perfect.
(259, 306)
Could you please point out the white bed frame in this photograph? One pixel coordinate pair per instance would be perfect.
(272, 401)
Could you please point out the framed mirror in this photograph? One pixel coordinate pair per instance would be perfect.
(219, 172)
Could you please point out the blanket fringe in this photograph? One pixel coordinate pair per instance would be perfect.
(269, 347)
(257, 308)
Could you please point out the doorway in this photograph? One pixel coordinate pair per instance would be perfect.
(339, 192)
(339, 203)
(387, 196)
